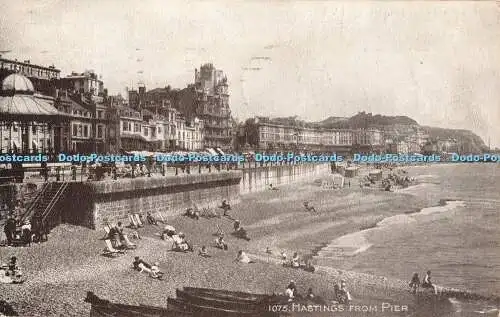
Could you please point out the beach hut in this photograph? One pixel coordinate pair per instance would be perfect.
(351, 172)
(375, 175)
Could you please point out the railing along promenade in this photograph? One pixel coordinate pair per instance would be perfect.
(82, 173)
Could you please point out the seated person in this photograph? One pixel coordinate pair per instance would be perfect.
(426, 283)
(309, 207)
(236, 225)
(283, 258)
(192, 213)
(168, 232)
(119, 229)
(151, 220)
(220, 243)
(310, 294)
(139, 264)
(13, 270)
(114, 234)
(225, 206)
(26, 232)
(273, 188)
(180, 243)
(203, 252)
(295, 260)
(155, 271)
(243, 257)
(342, 294)
(239, 231)
(291, 290)
(289, 294)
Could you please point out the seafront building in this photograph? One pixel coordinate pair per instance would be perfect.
(264, 134)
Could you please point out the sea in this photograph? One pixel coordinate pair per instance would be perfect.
(457, 237)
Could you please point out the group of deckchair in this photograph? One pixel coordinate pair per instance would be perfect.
(136, 221)
(119, 246)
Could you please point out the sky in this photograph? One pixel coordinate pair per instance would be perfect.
(436, 62)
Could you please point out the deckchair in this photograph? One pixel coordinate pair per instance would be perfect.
(138, 220)
(133, 222)
(106, 230)
(160, 217)
(128, 244)
(109, 250)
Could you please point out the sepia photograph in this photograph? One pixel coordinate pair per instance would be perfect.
(249, 158)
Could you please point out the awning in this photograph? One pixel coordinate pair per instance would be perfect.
(220, 151)
(212, 152)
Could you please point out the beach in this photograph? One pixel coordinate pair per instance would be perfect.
(341, 238)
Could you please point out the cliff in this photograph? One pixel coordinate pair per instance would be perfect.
(399, 126)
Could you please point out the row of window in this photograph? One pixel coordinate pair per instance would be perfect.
(83, 130)
(29, 71)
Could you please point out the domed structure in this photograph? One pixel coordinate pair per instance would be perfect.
(17, 83)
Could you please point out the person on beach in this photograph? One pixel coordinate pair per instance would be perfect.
(139, 264)
(220, 243)
(151, 220)
(181, 244)
(239, 231)
(427, 283)
(26, 233)
(415, 283)
(295, 262)
(310, 294)
(9, 229)
(14, 271)
(342, 294)
(155, 271)
(243, 257)
(225, 207)
(309, 207)
(283, 258)
(203, 252)
(291, 291)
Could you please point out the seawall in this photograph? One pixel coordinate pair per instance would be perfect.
(258, 178)
(92, 204)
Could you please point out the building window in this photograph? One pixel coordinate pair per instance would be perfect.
(75, 129)
(100, 133)
(86, 131)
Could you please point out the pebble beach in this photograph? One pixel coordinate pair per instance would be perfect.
(61, 271)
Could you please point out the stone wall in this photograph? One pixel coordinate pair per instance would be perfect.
(91, 204)
(94, 203)
(259, 178)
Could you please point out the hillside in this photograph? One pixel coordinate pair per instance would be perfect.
(404, 126)
(469, 141)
